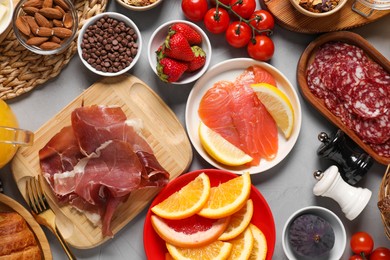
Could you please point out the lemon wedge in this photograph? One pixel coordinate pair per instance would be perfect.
(278, 105)
(220, 149)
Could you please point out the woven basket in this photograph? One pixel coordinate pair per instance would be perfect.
(384, 201)
(22, 70)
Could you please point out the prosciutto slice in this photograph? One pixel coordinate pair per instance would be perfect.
(96, 163)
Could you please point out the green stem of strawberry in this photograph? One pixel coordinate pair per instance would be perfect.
(248, 22)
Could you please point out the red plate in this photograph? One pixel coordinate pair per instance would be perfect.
(262, 216)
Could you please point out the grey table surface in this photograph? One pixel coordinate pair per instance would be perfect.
(286, 187)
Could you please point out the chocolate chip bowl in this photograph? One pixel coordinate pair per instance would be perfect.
(109, 44)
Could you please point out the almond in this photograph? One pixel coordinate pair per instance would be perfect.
(49, 46)
(33, 3)
(55, 39)
(44, 32)
(60, 9)
(42, 21)
(62, 4)
(30, 10)
(51, 13)
(47, 3)
(36, 40)
(57, 23)
(31, 23)
(67, 20)
(61, 32)
(22, 25)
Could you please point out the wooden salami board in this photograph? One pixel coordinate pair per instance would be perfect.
(288, 17)
(162, 130)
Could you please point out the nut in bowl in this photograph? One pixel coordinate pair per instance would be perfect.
(139, 5)
(6, 9)
(109, 44)
(179, 52)
(318, 8)
(45, 27)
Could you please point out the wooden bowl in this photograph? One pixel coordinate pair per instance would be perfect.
(306, 59)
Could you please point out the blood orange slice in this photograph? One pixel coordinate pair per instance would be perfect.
(194, 231)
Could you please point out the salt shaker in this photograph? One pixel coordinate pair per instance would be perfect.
(352, 161)
(352, 200)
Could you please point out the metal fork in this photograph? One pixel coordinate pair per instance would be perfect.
(42, 212)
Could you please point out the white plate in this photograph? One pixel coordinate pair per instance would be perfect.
(229, 70)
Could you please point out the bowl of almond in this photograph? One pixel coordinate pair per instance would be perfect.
(45, 27)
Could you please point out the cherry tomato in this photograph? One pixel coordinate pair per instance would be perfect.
(216, 21)
(261, 48)
(225, 2)
(362, 242)
(381, 253)
(262, 20)
(355, 257)
(238, 34)
(194, 10)
(244, 8)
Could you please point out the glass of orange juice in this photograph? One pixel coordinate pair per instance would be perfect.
(11, 137)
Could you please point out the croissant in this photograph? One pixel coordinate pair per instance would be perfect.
(17, 241)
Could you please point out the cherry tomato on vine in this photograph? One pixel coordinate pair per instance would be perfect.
(261, 48)
(244, 8)
(355, 257)
(238, 34)
(362, 242)
(262, 20)
(194, 10)
(216, 21)
(380, 253)
(225, 2)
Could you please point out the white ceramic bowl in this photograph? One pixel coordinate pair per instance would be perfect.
(302, 10)
(340, 235)
(138, 8)
(7, 18)
(118, 17)
(158, 38)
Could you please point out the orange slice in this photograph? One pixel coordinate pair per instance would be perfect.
(185, 202)
(259, 251)
(194, 231)
(216, 250)
(228, 197)
(239, 221)
(242, 245)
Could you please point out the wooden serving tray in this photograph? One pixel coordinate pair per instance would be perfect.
(162, 131)
(288, 17)
(8, 204)
(306, 59)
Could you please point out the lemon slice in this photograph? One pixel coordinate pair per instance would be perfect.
(278, 105)
(220, 149)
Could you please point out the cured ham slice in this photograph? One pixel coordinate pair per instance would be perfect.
(98, 161)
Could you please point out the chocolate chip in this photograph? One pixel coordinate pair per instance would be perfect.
(109, 45)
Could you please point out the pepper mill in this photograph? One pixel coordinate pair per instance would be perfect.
(352, 200)
(352, 161)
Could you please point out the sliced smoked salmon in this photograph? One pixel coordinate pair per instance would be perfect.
(255, 74)
(234, 111)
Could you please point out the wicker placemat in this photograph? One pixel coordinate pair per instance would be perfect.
(22, 70)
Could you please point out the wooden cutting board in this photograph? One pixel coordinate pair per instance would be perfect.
(8, 204)
(162, 130)
(288, 17)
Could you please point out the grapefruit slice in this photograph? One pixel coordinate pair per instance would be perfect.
(228, 197)
(259, 251)
(187, 201)
(216, 250)
(194, 231)
(239, 221)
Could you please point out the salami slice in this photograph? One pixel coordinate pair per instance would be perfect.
(373, 130)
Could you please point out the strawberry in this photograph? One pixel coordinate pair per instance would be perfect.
(177, 47)
(170, 70)
(192, 36)
(199, 60)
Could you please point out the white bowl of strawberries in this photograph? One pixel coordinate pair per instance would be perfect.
(179, 52)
